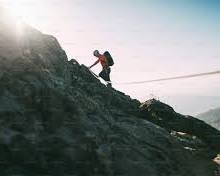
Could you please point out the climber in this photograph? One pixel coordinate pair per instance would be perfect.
(103, 59)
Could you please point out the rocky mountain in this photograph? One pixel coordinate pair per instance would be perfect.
(58, 119)
(211, 117)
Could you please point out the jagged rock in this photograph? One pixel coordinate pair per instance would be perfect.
(58, 119)
(164, 116)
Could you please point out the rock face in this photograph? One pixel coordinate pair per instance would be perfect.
(195, 135)
(211, 117)
(58, 119)
(164, 116)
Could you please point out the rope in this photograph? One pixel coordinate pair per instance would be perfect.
(173, 78)
(98, 76)
(94, 74)
(164, 79)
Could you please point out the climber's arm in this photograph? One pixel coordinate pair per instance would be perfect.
(94, 64)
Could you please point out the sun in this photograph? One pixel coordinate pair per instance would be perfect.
(18, 14)
(23, 10)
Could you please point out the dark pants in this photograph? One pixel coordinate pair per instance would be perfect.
(105, 74)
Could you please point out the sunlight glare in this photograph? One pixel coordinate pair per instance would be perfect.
(24, 10)
(21, 12)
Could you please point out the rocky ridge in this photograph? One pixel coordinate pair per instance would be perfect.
(58, 119)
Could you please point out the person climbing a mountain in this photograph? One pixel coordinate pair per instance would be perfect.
(106, 61)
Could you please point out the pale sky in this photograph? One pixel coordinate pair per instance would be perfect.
(149, 39)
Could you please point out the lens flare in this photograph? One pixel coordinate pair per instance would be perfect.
(19, 12)
(23, 10)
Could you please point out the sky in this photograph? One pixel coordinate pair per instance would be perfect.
(148, 39)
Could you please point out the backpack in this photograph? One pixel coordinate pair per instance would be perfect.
(109, 58)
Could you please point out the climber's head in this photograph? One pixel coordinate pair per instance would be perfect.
(96, 53)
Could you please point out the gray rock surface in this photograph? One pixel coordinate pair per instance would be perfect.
(164, 116)
(58, 119)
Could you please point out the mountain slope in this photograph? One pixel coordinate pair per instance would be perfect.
(58, 119)
(212, 117)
